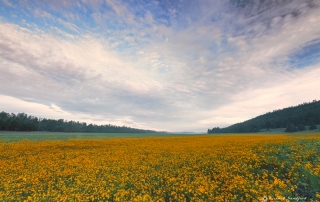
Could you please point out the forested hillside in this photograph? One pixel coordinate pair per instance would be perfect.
(23, 122)
(294, 119)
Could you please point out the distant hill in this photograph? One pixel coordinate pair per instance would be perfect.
(23, 122)
(292, 118)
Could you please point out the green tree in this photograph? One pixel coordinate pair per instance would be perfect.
(312, 127)
(301, 127)
(268, 124)
(291, 128)
(1, 124)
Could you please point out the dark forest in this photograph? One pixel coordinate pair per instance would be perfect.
(23, 122)
(296, 118)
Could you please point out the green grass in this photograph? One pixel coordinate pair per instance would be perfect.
(16, 136)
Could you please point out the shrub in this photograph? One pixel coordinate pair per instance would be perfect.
(291, 128)
(312, 127)
(301, 127)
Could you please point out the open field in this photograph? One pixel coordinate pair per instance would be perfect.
(186, 168)
(38, 136)
(16, 136)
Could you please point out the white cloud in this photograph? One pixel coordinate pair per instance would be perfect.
(42, 14)
(14, 105)
(7, 3)
(254, 102)
(72, 73)
(121, 10)
(68, 25)
(219, 64)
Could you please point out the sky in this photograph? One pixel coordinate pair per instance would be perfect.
(183, 65)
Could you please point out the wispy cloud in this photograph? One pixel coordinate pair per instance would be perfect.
(7, 3)
(161, 65)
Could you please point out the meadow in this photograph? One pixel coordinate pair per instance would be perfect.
(35, 136)
(253, 167)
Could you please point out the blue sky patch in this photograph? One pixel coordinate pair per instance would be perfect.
(307, 55)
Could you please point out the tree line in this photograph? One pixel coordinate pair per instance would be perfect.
(23, 122)
(294, 118)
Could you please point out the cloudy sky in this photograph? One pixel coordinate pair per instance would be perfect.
(185, 65)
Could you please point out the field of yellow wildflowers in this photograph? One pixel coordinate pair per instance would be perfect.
(194, 168)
